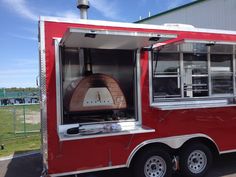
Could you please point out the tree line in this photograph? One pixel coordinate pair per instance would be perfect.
(19, 89)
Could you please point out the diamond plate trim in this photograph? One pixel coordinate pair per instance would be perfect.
(43, 95)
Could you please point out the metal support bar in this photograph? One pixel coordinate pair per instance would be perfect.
(14, 119)
(209, 70)
(181, 56)
(150, 65)
(58, 82)
(138, 65)
(234, 69)
(24, 119)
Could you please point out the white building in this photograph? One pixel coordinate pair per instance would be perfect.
(215, 14)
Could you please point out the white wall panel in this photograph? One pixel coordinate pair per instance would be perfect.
(216, 14)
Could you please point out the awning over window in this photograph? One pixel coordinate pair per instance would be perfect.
(109, 39)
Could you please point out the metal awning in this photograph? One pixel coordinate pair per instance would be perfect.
(110, 39)
(209, 42)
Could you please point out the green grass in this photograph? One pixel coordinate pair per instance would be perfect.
(10, 127)
(20, 145)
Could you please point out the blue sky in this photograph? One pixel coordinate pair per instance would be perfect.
(19, 29)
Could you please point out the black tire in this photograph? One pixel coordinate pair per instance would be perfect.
(157, 160)
(195, 160)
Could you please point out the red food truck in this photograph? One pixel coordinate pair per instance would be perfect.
(158, 99)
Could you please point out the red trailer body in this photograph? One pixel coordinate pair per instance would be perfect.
(156, 120)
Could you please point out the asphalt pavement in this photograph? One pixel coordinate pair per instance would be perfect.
(31, 166)
(21, 166)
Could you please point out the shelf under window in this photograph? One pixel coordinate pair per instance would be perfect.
(189, 85)
(102, 130)
(196, 90)
(194, 103)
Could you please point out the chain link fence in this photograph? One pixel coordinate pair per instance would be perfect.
(19, 121)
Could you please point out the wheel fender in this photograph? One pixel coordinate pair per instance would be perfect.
(173, 142)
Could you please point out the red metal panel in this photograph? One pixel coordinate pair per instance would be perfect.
(218, 123)
(82, 154)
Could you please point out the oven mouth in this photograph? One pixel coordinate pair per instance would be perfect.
(93, 93)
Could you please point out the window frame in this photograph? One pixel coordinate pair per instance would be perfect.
(222, 73)
(182, 67)
(234, 69)
(176, 75)
(212, 100)
(127, 127)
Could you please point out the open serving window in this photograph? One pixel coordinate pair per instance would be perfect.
(193, 74)
(98, 74)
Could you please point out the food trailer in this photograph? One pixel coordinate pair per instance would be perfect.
(157, 99)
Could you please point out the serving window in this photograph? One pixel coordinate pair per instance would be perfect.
(98, 82)
(191, 75)
(94, 88)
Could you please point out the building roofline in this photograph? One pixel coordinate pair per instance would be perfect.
(133, 25)
(171, 10)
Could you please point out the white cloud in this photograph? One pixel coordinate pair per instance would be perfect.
(18, 65)
(19, 76)
(28, 61)
(32, 38)
(17, 72)
(108, 9)
(20, 7)
(18, 82)
(33, 30)
(68, 14)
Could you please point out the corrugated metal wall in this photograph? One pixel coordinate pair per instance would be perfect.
(215, 14)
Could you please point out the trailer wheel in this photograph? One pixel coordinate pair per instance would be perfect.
(153, 163)
(195, 160)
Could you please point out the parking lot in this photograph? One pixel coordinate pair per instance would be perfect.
(31, 166)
